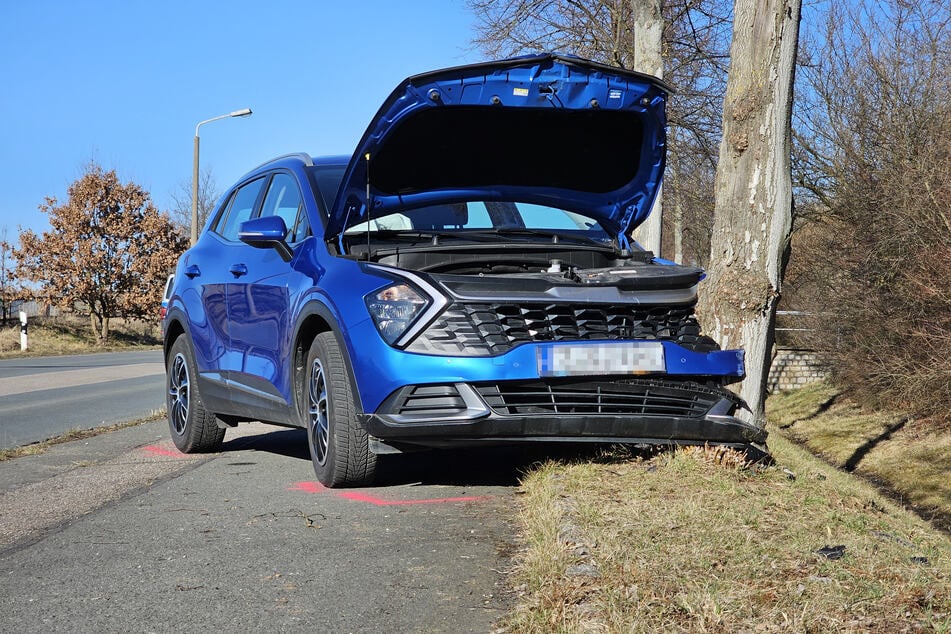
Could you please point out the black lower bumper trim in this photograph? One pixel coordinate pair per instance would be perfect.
(711, 429)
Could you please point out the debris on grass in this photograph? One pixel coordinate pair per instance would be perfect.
(698, 540)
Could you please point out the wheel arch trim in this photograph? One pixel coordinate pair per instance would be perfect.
(314, 318)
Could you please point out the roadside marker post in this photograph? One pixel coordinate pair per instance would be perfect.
(23, 327)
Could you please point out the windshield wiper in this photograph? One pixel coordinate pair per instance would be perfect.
(432, 234)
(486, 235)
(555, 236)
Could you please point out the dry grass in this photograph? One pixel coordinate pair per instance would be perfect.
(911, 458)
(699, 541)
(37, 448)
(70, 334)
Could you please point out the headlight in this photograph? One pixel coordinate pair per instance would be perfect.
(394, 309)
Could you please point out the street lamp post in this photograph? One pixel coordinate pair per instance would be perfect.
(246, 112)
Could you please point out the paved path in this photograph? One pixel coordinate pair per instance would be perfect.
(122, 533)
(42, 397)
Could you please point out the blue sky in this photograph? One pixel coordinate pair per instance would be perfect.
(125, 82)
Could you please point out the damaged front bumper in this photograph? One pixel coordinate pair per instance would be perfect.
(629, 411)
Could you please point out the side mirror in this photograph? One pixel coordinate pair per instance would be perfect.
(266, 232)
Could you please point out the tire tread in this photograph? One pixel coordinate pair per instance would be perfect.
(350, 461)
(202, 433)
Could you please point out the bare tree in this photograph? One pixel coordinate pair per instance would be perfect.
(873, 156)
(647, 20)
(8, 291)
(694, 36)
(753, 214)
(109, 249)
(181, 211)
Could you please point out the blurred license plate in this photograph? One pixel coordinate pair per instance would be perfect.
(601, 358)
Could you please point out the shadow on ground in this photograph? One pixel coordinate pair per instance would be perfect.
(476, 466)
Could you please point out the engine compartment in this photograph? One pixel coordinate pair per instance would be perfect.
(530, 267)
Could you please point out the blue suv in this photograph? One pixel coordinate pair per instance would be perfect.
(464, 278)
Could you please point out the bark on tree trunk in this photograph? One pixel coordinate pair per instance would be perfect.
(99, 320)
(677, 222)
(753, 213)
(94, 324)
(648, 29)
(678, 233)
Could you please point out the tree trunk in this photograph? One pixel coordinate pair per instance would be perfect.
(753, 212)
(678, 233)
(677, 224)
(99, 320)
(94, 324)
(648, 58)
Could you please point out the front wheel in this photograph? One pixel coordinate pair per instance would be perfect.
(194, 429)
(339, 446)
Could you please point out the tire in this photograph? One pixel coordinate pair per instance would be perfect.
(339, 446)
(193, 428)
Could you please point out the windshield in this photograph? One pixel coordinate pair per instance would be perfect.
(487, 216)
(327, 180)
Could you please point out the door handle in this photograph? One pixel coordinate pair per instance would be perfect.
(238, 270)
(192, 271)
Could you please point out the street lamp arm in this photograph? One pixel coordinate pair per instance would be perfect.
(244, 112)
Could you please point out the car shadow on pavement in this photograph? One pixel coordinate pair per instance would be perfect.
(499, 465)
(291, 443)
(471, 466)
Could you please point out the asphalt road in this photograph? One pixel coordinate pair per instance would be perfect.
(121, 532)
(47, 396)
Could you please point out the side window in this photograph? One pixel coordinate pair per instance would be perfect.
(239, 210)
(283, 199)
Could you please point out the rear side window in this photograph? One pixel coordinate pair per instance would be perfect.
(239, 209)
(283, 199)
(167, 295)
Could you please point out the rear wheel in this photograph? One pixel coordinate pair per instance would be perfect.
(193, 428)
(339, 446)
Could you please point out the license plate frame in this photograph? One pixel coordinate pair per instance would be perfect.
(586, 359)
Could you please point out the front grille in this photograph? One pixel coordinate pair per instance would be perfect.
(428, 400)
(490, 329)
(631, 397)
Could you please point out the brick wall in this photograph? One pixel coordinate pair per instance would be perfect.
(793, 369)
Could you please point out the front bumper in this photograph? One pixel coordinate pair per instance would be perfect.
(636, 411)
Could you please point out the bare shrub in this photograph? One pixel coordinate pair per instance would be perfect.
(695, 51)
(874, 158)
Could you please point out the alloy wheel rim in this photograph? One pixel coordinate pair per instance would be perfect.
(317, 410)
(178, 392)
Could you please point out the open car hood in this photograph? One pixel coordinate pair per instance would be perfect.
(550, 129)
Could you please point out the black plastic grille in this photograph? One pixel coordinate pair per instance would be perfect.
(489, 329)
(429, 400)
(631, 397)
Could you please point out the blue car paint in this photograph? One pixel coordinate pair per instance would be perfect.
(245, 308)
(382, 370)
(480, 84)
(260, 340)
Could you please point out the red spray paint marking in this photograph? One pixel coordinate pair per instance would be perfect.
(354, 496)
(162, 451)
(309, 487)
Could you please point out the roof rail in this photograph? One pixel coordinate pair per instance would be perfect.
(303, 156)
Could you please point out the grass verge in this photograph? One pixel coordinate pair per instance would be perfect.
(37, 448)
(909, 458)
(699, 541)
(70, 334)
